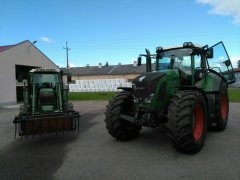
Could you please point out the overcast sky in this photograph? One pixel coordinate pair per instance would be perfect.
(118, 30)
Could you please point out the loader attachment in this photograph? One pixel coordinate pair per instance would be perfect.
(49, 123)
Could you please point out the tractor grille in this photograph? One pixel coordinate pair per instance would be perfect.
(46, 98)
(140, 92)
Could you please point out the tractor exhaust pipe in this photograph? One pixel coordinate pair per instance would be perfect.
(148, 61)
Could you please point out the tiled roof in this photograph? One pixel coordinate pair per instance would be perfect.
(91, 70)
(236, 69)
(128, 69)
(3, 48)
(107, 70)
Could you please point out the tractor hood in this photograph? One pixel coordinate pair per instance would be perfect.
(146, 84)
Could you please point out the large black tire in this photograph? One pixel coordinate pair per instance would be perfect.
(187, 121)
(118, 128)
(222, 110)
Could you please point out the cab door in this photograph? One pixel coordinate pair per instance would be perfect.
(221, 63)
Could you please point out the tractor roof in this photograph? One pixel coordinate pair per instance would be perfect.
(45, 70)
(185, 45)
(180, 46)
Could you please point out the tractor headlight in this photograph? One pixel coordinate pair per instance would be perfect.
(135, 100)
(188, 44)
(149, 98)
(159, 49)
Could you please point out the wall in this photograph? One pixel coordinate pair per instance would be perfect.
(110, 76)
(22, 54)
(237, 83)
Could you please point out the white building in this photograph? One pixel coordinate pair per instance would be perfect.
(237, 76)
(15, 62)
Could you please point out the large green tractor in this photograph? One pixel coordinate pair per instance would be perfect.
(45, 109)
(187, 90)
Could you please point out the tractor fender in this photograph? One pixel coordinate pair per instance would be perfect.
(192, 88)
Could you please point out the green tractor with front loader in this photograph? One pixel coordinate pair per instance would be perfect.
(187, 91)
(45, 108)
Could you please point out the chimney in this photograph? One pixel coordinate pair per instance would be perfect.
(134, 63)
(100, 65)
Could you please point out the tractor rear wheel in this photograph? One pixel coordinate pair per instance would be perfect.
(121, 129)
(222, 109)
(187, 121)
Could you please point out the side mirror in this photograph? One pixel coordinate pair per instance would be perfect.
(227, 62)
(139, 63)
(209, 53)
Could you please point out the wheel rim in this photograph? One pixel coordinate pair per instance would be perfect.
(224, 106)
(198, 122)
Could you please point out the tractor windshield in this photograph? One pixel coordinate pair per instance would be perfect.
(175, 58)
(43, 78)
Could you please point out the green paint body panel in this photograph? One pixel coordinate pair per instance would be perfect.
(46, 108)
(211, 82)
(172, 81)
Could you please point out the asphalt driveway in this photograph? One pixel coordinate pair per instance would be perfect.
(94, 154)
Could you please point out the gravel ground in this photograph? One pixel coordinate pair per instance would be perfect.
(94, 154)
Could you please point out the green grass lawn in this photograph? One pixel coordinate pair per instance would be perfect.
(234, 95)
(91, 95)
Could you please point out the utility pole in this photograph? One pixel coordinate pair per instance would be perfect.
(67, 49)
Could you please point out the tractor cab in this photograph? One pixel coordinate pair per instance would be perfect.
(189, 65)
(45, 87)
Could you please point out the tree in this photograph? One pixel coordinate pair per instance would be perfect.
(239, 63)
(106, 64)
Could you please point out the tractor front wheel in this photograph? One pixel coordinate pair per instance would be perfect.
(187, 121)
(121, 129)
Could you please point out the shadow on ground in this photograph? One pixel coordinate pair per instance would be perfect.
(155, 136)
(40, 157)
